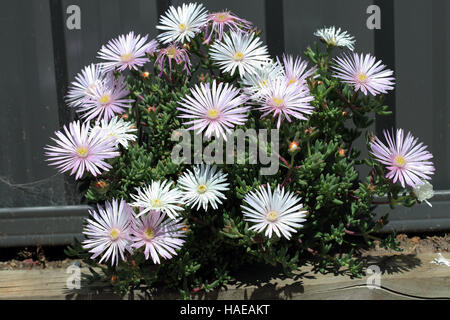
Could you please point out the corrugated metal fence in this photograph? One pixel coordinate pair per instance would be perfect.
(41, 56)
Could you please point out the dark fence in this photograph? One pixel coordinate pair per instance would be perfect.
(41, 56)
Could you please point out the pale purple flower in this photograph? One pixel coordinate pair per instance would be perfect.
(407, 161)
(106, 100)
(85, 83)
(78, 150)
(173, 52)
(364, 73)
(296, 71)
(214, 108)
(277, 212)
(126, 51)
(108, 231)
(160, 237)
(218, 21)
(285, 101)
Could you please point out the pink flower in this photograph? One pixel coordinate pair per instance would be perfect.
(173, 52)
(295, 71)
(285, 101)
(364, 73)
(78, 150)
(127, 51)
(159, 237)
(108, 231)
(217, 22)
(106, 100)
(406, 160)
(215, 108)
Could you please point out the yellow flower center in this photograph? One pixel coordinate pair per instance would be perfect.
(202, 188)
(238, 56)
(82, 151)
(171, 52)
(114, 234)
(127, 57)
(332, 41)
(362, 77)
(182, 27)
(222, 17)
(105, 99)
(400, 161)
(292, 80)
(157, 203)
(272, 216)
(213, 113)
(278, 102)
(149, 233)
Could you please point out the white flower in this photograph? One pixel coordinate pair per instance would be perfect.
(203, 186)
(336, 38)
(182, 23)
(424, 192)
(256, 83)
(118, 129)
(85, 83)
(159, 196)
(242, 51)
(276, 211)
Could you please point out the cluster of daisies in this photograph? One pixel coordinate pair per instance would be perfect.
(158, 229)
(153, 222)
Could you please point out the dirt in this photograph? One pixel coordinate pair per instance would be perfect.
(54, 257)
(414, 244)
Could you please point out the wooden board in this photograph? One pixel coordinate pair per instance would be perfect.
(403, 277)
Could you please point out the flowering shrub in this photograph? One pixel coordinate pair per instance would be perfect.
(168, 224)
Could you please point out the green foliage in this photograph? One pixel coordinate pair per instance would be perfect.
(323, 172)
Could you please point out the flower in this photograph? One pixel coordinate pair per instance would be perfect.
(276, 211)
(176, 53)
(214, 108)
(295, 70)
(118, 129)
(255, 84)
(424, 192)
(364, 74)
(222, 19)
(108, 231)
(106, 100)
(284, 101)
(242, 51)
(203, 186)
(85, 82)
(158, 196)
(79, 150)
(406, 160)
(126, 51)
(336, 38)
(160, 237)
(182, 23)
